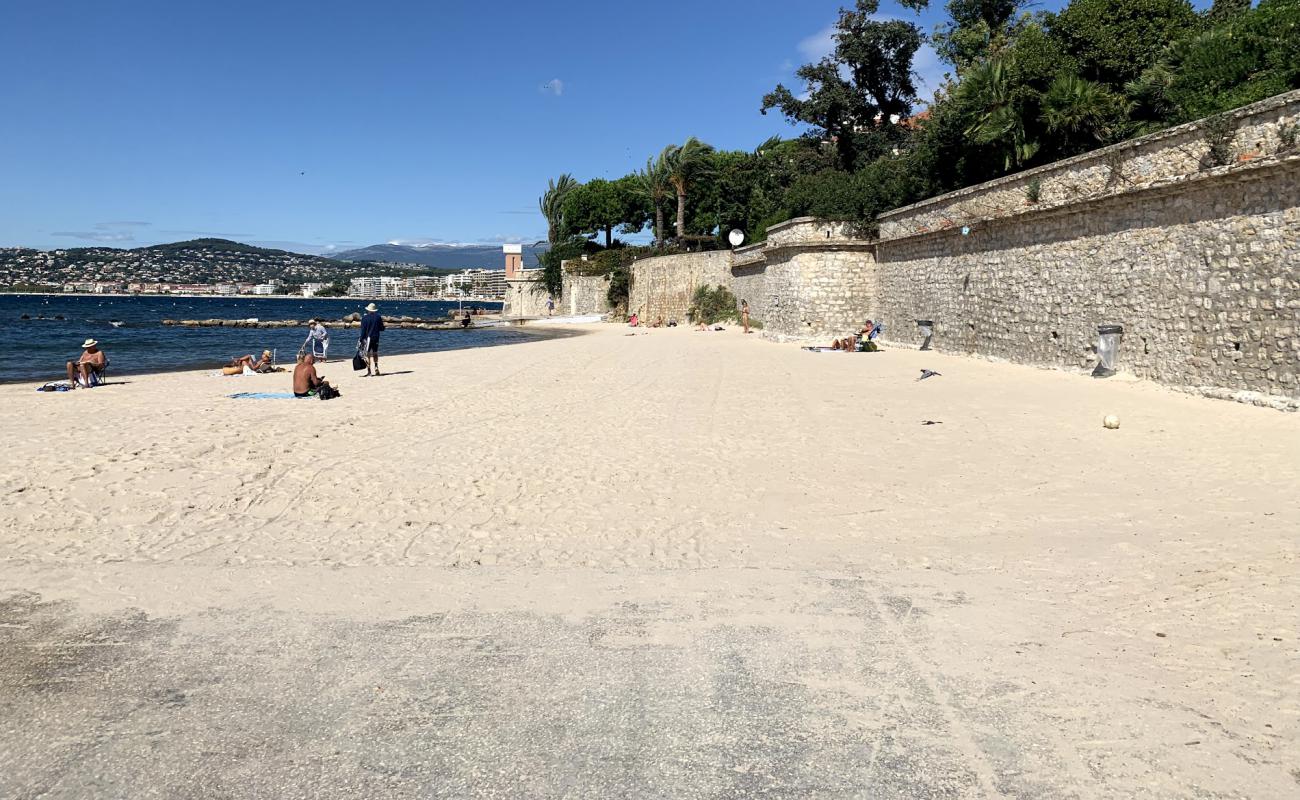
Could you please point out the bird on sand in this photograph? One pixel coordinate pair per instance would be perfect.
(927, 373)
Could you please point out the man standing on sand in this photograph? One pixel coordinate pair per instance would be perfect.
(371, 326)
(88, 368)
(305, 379)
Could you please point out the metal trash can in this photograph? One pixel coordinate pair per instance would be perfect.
(1108, 339)
(926, 328)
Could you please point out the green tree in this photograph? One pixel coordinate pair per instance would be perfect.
(656, 189)
(685, 164)
(1250, 56)
(1003, 116)
(976, 30)
(867, 80)
(1080, 114)
(599, 206)
(1115, 40)
(551, 204)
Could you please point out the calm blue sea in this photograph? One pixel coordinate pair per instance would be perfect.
(35, 349)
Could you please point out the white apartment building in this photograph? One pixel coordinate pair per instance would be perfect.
(487, 284)
(382, 286)
(264, 288)
(310, 289)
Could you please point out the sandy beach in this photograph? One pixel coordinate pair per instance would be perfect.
(649, 563)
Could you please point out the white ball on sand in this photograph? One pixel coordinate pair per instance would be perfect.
(1111, 422)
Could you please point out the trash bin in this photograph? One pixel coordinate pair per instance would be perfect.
(926, 328)
(1108, 339)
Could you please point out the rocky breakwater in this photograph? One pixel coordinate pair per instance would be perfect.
(350, 321)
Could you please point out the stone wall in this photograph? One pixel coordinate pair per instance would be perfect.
(1199, 263)
(584, 294)
(526, 296)
(1204, 276)
(1167, 156)
(664, 285)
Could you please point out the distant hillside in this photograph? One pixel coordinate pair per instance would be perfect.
(442, 256)
(195, 261)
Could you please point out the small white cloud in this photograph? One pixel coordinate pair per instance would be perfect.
(97, 236)
(819, 45)
(554, 86)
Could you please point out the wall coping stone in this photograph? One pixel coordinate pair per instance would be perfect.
(1091, 157)
(1242, 171)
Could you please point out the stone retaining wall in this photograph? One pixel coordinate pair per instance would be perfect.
(584, 294)
(1129, 166)
(1204, 277)
(1199, 263)
(663, 286)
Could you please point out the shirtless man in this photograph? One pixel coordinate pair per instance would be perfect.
(92, 361)
(305, 379)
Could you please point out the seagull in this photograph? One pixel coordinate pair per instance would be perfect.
(927, 373)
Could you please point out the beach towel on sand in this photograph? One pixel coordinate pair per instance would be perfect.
(262, 396)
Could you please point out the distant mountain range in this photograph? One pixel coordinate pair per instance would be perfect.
(441, 256)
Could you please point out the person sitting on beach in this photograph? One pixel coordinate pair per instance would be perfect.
(88, 369)
(248, 362)
(305, 380)
(634, 320)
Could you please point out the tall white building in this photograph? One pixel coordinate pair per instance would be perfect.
(382, 286)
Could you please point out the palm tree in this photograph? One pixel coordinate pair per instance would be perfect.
(552, 205)
(655, 185)
(685, 163)
(1001, 120)
(1079, 112)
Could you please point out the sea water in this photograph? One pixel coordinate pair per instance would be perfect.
(130, 331)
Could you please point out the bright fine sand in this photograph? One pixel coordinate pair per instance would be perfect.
(669, 564)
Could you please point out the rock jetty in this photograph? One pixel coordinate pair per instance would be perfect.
(350, 321)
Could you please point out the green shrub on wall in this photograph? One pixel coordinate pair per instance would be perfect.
(713, 305)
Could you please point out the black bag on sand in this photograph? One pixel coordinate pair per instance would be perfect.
(327, 392)
(359, 362)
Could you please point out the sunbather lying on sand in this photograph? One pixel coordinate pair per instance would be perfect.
(238, 364)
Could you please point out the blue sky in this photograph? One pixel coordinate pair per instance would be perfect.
(325, 125)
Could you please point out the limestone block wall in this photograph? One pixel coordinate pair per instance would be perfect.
(1168, 155)
(584, 294)
(664, 285)
(1203, 273)
(808, 293)
(526, 296)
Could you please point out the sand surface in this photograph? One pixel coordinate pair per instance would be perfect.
(662, 564)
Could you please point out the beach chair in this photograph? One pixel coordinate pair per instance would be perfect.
(96, 378)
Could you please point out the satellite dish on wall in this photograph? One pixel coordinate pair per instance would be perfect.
(736, 237)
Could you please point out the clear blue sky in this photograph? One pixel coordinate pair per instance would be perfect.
(325, 124)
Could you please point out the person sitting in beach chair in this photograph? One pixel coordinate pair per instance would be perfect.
(305, 380)
(859, 342)
(88, 370)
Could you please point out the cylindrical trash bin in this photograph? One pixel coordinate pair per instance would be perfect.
(1108, 339)
(926, 328)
